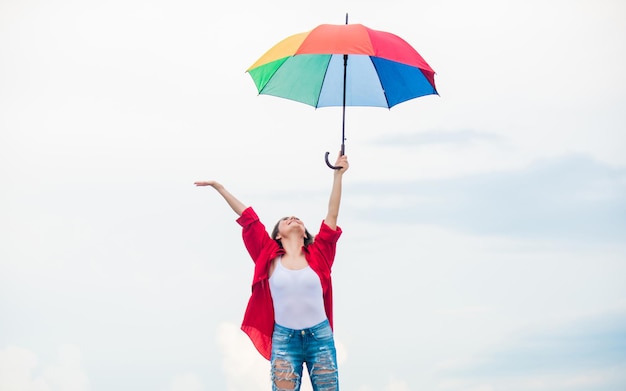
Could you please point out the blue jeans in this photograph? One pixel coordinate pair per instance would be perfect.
(314, 346)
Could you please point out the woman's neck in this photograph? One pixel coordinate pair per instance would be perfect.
(292, 246)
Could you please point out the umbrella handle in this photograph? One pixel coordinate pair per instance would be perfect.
(343, 152)
(330, 165)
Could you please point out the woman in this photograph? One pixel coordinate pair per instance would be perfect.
(289, 317)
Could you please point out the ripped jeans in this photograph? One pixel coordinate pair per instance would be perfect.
(314, 346)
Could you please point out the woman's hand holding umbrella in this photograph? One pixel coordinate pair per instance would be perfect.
(341, 164)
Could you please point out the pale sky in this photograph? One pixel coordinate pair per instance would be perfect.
(484, 229)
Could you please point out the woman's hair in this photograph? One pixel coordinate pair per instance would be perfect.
(308, 238)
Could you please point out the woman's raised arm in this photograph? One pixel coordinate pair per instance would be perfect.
(236, 205)
(335, 193)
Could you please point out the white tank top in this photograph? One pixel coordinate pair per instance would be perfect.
(297, 296)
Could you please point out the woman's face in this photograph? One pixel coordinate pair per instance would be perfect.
(290, 224)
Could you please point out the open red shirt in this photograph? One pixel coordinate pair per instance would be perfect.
(258, 321)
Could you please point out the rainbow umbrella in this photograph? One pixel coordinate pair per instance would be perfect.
(343, 65)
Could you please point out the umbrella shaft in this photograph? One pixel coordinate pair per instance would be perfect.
(343, 124)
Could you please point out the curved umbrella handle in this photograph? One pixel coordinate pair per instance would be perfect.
(343, 152)
(330, 165)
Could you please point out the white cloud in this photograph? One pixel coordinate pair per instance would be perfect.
(187, 382)
(19, 371)
(16, 366)
(392, 385)
(244, 367)
(579, 354)
(571, 197)
(598, 380)
(67, 374)
(397, 385)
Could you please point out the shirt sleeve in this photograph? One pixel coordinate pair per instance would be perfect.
(326, 243)
(255, 237)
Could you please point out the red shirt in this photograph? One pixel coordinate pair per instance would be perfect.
(258, 320)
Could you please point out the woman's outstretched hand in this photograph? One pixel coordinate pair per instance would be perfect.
(236, 205)
(207, 183)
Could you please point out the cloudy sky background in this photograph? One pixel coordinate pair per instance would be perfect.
(484, 229)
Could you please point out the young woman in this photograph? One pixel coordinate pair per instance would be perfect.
(289, 317)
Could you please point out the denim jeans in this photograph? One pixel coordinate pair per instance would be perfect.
(314, 346)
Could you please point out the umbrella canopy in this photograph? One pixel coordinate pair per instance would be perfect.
(343, 65)
(383, 69)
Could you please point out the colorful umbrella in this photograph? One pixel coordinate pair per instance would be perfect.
(343, 65)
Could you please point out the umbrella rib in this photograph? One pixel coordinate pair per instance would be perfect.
(381, 82)
(323, 81)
